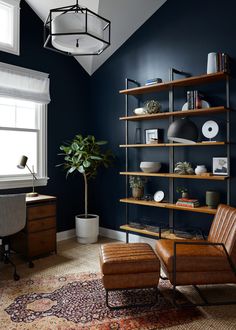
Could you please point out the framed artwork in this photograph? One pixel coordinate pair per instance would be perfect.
(151, 136)
(220, 166)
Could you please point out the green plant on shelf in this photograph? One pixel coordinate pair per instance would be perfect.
(137, 182)
(183, 191)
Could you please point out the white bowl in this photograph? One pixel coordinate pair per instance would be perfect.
(150, 167)
(140, 111)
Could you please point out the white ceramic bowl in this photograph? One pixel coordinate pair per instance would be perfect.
(150, 167)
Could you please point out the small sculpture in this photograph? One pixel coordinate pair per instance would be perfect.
(183, 168)
(152, 106)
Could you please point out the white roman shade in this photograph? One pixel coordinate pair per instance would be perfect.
(21, 83)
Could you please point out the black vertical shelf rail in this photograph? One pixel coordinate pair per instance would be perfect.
(172, 72)
(127, 82)
(228, 138)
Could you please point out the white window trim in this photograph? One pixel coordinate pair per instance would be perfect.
(15, 47)
(23, 181)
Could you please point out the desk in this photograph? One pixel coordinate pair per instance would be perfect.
(39, 235)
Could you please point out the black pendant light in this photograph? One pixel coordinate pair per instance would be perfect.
(75, 31)
(183, 131)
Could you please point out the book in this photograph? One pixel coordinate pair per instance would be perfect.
(192, 205)
(191, 200)
(153, 81)
(188, 202)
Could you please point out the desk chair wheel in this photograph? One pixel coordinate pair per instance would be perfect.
(16, 277)
(31, 264)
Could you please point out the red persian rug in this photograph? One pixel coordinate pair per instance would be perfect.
(78, 302)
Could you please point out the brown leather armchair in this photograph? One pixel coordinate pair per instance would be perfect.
(196, 262)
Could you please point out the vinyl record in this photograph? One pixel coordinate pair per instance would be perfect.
(210, 129)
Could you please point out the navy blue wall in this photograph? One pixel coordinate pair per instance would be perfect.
(67, 113)
(179, 35)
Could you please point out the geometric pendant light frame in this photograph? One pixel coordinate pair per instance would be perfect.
(76, 31)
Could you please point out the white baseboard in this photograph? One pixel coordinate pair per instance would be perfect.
(121, 236)
(110, 233)
(63, 235)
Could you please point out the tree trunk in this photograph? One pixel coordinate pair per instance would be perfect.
(85, 196)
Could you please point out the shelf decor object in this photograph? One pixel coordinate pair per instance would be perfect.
(22, 164)
(74, 30)
(212, 199)
(210, 129)
(183, 130)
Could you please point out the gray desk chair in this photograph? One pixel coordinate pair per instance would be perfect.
(12, 220)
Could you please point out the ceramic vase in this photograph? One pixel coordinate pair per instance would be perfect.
(137, 193)
(212, 63)
(212, 199)
(200, 169)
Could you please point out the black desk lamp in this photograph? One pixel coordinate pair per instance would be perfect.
(22, 164)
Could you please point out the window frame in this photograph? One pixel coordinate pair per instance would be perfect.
(15, 47)
(25, 180)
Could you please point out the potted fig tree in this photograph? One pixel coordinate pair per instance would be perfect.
(84, 155)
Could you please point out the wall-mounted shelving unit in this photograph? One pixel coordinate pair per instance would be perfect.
(171, 114)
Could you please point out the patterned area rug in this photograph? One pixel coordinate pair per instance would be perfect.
(78, 302)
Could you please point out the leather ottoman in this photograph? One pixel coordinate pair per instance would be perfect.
(128, 266)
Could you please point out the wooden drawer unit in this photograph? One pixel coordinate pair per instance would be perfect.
(41, 211)
(42, 242)
(39, 235)
(41, 224)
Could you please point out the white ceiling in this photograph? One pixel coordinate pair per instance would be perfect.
(126, 17)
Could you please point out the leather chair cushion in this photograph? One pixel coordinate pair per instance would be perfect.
(131, 258)
(192, 258)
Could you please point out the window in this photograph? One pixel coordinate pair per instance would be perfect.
(24, 95)
(9, 26)
(22, 132)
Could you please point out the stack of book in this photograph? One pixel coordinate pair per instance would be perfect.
(194, 100)
(186, 202)
(222, 62)
(153, 81)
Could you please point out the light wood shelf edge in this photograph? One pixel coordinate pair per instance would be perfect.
(200, 209)
(177, 176)
(156, 145)
(195, 80)
(166, 234)
(163, 115)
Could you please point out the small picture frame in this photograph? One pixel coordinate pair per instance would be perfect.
(220, 166)
(152, 136)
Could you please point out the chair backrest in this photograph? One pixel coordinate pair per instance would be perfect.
(223, 229)
(12, 214)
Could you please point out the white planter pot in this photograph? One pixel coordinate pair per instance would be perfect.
(87, 228)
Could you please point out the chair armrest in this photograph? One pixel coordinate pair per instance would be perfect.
(232, 266)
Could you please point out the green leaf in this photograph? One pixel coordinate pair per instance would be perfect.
(86, 163)
(72, 169)
(81, 169)
(100, 143)
(95, 157)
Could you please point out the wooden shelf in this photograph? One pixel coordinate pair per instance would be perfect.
(178, 176)
(197, 80)
(151, 145)
(165, 205)
(163, 115)
(167, 234)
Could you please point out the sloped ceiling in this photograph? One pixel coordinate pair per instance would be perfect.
(126, 17)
